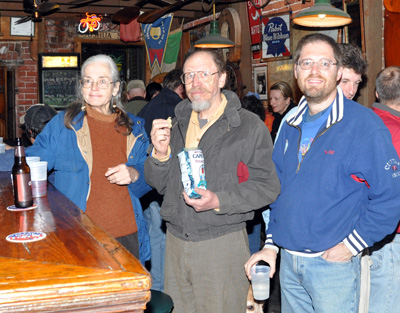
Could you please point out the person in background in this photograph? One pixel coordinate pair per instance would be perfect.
(338, 197)
(32, 123)
(97, 151)
(207, 244)
(152, 90)
(354, 67)
(136, 96)
(163, 105)
(251, 103)
(385, 255)
(281, 102)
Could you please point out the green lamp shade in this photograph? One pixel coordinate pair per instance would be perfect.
(214, 39)
(322, 14)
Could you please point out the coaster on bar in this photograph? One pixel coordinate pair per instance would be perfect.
(28, 236)
(14, 208)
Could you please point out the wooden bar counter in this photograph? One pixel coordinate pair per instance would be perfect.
(77, 268)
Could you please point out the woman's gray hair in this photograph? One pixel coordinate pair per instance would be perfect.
(114, 75)
(75, 108)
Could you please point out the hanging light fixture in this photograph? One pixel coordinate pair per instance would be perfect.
(322, 14)
(214, 38)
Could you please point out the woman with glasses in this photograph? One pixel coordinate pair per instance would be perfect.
(97, 151)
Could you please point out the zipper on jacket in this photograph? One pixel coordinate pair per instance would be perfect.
(298, 145)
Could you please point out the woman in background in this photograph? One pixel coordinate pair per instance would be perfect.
(281, 102)
(97, 151)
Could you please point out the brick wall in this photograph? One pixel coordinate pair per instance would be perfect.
(283, 6)
(58, 38)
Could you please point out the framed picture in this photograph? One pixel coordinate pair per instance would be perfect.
(275, 37)
(26, 29)
(260, 81)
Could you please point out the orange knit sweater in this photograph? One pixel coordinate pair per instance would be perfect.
(109, 205)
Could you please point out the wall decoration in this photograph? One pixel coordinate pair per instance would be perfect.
(254, 23)
(275, 32)
(156, 37)
(90, 23)
(260, 81)
(26, 29)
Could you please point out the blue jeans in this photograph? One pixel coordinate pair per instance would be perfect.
(157, 244)
(312, 284)
(385, 276)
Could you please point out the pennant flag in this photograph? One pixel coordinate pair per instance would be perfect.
(156, 37)
(172, 50)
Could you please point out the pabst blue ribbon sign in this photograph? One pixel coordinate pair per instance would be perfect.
(275, 37)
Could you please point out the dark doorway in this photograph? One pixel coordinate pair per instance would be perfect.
(8, 125)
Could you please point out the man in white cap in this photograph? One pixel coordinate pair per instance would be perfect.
(136, 93)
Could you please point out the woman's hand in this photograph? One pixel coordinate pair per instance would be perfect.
(160, 136)
(122, 175)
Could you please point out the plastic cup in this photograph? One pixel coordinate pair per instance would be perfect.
(2, 148)
(31, 159)
(39, 178)
(260, 281)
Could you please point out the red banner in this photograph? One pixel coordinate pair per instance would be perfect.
(255, 21)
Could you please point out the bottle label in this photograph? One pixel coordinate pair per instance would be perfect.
(23, 188)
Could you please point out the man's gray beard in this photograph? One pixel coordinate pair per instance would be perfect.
(200, 105)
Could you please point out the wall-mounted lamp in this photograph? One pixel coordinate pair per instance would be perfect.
(214, 38)
(322, 14)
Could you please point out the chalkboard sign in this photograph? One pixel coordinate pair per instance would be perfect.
(58, 78)
(59, 87)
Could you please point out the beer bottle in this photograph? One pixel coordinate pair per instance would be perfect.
(21, 176)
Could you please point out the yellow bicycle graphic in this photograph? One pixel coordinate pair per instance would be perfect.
(91, 23)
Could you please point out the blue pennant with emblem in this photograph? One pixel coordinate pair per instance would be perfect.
(156, 38)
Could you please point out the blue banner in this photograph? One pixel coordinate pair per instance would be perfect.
(156, 37)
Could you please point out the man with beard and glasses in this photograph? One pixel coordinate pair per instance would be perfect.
(207, 243)
(340, 178)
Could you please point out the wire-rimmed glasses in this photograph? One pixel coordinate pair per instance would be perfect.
(323, 64)
(101, 83)
(204, 76)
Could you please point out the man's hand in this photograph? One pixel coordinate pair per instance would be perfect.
(266, 255)
(208, 200)
(338, 253)
(122, 175)
(160, 136)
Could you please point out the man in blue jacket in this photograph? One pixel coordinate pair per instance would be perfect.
(340, 178)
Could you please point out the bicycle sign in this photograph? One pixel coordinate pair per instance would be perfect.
(91, 23)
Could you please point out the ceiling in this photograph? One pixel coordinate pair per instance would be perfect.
(189, 9)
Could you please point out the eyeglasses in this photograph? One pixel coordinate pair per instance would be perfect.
(102, 83)
(204, 76)
(323, 64)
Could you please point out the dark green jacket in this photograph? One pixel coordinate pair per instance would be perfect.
(237, 137)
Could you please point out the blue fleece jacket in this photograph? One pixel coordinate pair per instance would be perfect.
(59, 146)
(346, 187)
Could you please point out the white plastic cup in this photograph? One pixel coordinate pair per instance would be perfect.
(260, 282)
(39, 178)
(2, 148)
(31, 159)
